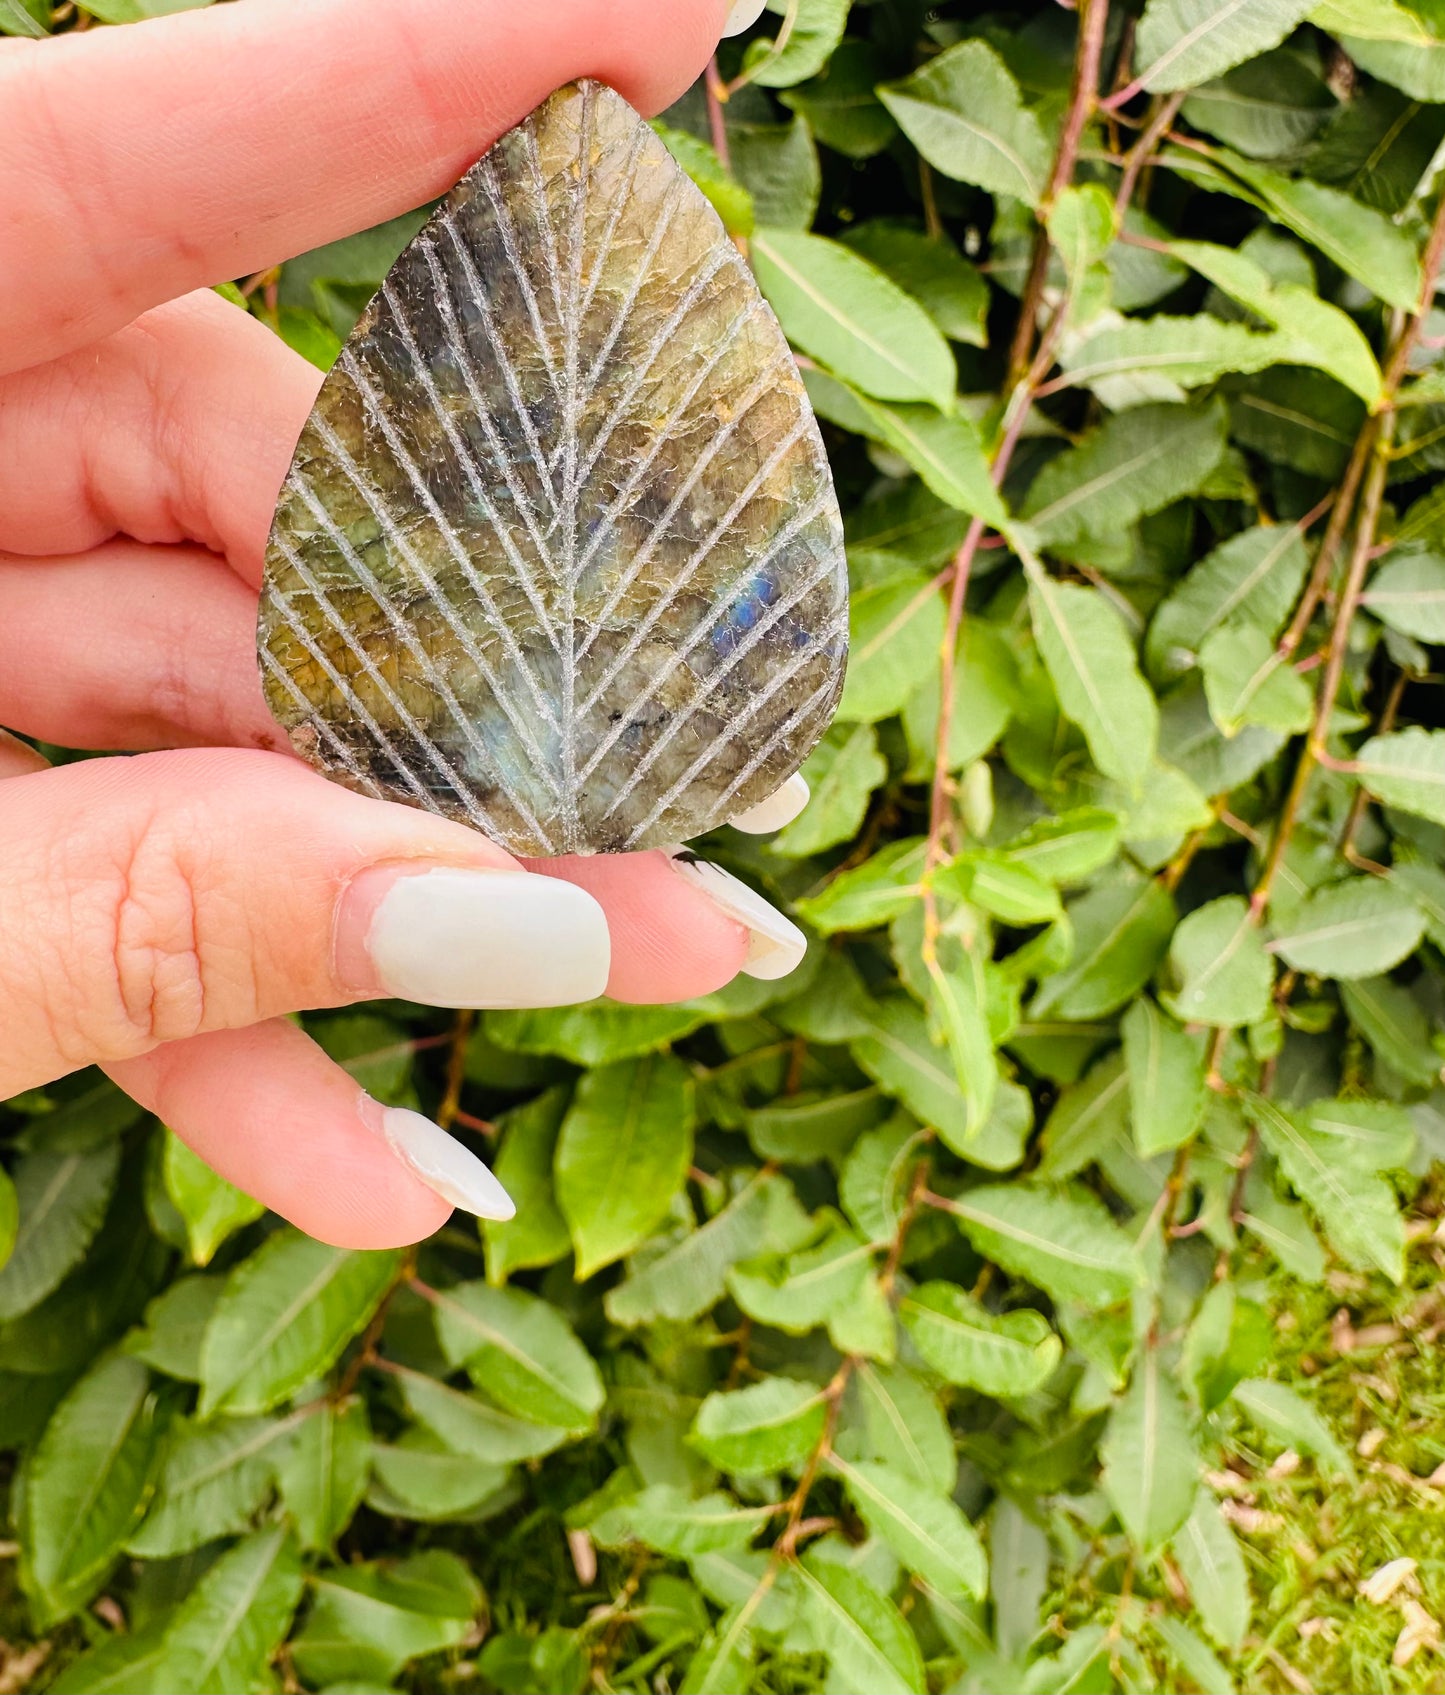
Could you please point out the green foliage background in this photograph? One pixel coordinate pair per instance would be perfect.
(1038, 1290)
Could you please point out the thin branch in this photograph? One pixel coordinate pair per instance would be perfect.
(1083, 97)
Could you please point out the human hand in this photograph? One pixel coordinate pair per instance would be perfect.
(160, 915)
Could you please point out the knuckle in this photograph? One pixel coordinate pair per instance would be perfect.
(159, 923)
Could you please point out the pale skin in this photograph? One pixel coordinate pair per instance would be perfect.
(160, 915)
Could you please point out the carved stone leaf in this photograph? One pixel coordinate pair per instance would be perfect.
(558, 554)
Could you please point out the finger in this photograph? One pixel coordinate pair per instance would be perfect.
(272, 1114)
(17, 758)
(690, 925)
(131, 646)
(254, 132)
(171, 895)
(179, 427)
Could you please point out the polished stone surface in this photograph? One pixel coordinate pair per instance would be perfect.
(558, 554)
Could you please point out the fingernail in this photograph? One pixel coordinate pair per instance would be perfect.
(440, 1161)
(742, 14)
(474, 938)
(775, 944)
(781, 807)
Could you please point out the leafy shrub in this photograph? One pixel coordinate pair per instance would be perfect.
(936, 1317)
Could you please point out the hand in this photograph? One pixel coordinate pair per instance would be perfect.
(160, 915)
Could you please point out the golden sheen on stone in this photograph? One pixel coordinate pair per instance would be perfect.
(558, 554)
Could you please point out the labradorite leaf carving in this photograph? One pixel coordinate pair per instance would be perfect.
(558, 553)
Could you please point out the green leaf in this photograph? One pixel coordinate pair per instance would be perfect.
(901, 1056)
(1225, 975)
(1187, 351)
(922, 1526)
(1086, 1118)
(9, 1217)
(469, 1424)
(798, 1292)
(1182, 43)
(687, 1278)
(62, 1198)
(522, 1351)
(1405, 768)
(1392, 1021)
(175, 1327)
(418, 1477)
(723, 1660)
(1091, 662)
(213, 1478)
(778, 165)
(1135, 463)
(1319, 333)
(964, 113)
(367, 1621)
(212, 1208)
(538, 1234)
(283, 1319)
(889, 1415)
(723, 192)
(1000, 884)
(323, 1471)
(1068, 848)
(223, 1634)
(846, 313)
(1006, 1354)
(1151, 1456)
(843, 111)
(17, 19)
(1265, 107)
(124, 1663)
(1213, 1567)
(1355, 928)
(668, 1520)
(867, 1641)
(951, 291)
(985, 693)
(624, 1150)
(772, 1425)
(1291, 1420)
(817, 29)
(872, 893)
(1121, 929)
(1360, 240)
(843, 771)
(1372, 1135)
(895, 632)
(944, 449)
(1247, 682)
(1166, 1079)
(1061, 1239)
(1408, 594)
(1255, 576)
(1358, 1210)
(84, 1486)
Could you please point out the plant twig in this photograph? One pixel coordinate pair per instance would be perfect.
(1083, 96)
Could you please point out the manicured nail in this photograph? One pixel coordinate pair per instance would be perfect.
(441, 1162)
(742, 14)
(477, 938)
(775, 944)
(781, 807)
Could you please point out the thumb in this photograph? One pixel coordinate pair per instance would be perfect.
(152, 899)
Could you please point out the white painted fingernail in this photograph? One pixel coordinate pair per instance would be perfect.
(443, 1164)
(781, 807)
(775, 944)
(453, 937)
(742, 14)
